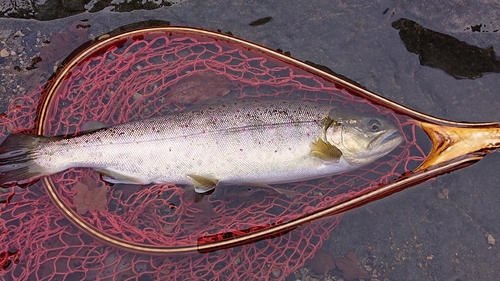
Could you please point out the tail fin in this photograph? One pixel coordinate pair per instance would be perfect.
(17, 159)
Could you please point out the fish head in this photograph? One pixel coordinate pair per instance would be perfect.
(363, 139)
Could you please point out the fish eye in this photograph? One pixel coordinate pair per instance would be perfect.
(374, 125)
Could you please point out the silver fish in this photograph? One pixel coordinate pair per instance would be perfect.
(259, 141)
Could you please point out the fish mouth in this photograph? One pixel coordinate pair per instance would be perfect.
(391, 139)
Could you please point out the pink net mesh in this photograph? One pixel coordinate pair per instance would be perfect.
(152, 75)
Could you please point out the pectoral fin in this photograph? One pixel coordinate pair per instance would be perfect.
(115, 178)
(202, 184)
(325, 151)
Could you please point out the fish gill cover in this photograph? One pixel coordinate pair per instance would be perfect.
(152, 75)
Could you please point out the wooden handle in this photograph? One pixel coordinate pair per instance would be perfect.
(450, 143)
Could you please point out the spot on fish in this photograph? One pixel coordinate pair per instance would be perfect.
(241, 149)
(275, 151)
(186, 125)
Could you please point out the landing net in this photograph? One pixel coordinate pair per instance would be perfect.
(154, 75)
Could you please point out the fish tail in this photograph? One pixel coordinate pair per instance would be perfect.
(18, 159)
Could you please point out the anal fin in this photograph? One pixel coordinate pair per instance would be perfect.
(114, 177)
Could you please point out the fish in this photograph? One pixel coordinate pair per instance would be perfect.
(220, 142)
